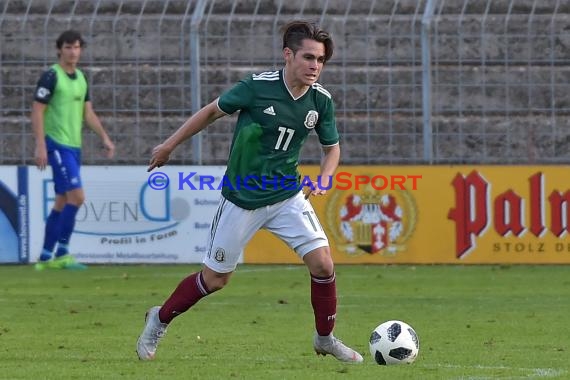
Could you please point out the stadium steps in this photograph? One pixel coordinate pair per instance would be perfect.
(397, 139)
(379, 108)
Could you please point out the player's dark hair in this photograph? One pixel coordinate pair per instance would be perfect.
(69, 37)
(295, 32)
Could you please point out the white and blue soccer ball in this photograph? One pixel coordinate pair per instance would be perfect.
(394, 342)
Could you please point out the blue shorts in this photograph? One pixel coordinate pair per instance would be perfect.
(65, 162)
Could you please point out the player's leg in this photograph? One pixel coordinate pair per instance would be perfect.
(231, 229)
(191, 290)
(323, 289)
(51, 233)
(188, 292)
(74, 201)
(295, 222)
(75, 196)
(68, 164)
(57, 159)
(323, 300)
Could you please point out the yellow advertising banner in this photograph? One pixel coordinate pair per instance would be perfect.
(439, 215)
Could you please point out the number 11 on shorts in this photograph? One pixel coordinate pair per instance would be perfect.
(314, 221)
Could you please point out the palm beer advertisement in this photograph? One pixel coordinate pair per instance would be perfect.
(439, 214)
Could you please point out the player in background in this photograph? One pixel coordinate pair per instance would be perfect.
(61, 105)
(277, 110)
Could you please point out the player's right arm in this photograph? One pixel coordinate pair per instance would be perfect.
(42, 96)
(197, 122)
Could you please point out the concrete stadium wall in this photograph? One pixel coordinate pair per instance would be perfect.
(138, 65)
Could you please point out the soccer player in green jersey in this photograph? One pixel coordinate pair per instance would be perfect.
(61, 104)
(277, 111)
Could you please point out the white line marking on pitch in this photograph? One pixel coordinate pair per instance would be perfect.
(528, 372)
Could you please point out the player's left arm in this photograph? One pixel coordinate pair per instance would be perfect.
(329, 139)
(94, 123)
(329, 163)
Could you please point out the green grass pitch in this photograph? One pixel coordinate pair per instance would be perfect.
(474, 322)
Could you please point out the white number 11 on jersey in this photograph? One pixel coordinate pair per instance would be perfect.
(282, 131)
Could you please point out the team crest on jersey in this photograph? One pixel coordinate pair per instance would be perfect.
(220, 255)
(311, 119)
(42, 93)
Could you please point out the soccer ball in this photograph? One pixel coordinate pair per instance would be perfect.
(394, 342)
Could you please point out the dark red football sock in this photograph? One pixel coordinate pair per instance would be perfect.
(323, 299)
(189, 291)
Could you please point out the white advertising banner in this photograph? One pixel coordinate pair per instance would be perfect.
(131, 216)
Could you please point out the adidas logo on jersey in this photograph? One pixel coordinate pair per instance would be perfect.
(269, 110)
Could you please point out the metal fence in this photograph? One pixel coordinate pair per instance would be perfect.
(500, 81)
(432, 81)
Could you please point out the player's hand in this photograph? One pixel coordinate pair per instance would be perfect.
(40, 156)
(160, 156)
(315, 190)
(109, 148)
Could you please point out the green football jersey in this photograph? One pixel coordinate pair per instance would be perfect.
(272, 127)
(63, 118)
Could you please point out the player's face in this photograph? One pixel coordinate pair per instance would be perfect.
(306, 65)
(69, 53)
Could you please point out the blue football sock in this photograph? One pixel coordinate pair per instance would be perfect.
(45, 255)
(67, 223)
(62, 249)
(51, 234)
